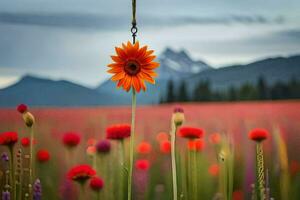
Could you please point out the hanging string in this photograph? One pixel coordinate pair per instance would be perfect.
(134, 29)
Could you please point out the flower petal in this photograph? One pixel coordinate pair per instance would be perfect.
(136, 84)
(121, 53)
(115, 70)
(147, 77)
(151, 65)
(150, 72)
(118, 76)
(147, 60)
(117, 59)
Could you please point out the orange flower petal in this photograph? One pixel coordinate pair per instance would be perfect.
(118, 76)
(147, 77)
(152, 65)
(148, 53)
(115, 70)
(121, 53)
(150, 73)
(113, 65)
(120, 83)
(141, 53)
(147, 60)
(136, 84)
(143, 85)
(116, 59)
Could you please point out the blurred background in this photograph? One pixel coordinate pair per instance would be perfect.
(222, 61)
(219, 50)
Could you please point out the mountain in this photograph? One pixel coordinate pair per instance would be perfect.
(175, 65)
(44, 92)
(272, 70)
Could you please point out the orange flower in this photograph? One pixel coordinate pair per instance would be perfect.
(133, 66)
(214, 169)
(144, 148)
(162, 136)
(196, 145)
(215, 138)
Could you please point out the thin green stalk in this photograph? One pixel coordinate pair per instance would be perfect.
(173, 157)
(131, 144)
(98, 196)
(192, 176)
(230, 172)
(94, 161)
(194, 172)
(12, 173)
(31, 163)
(122, 160)
(82, 192)
(31, 156)
(260, 180)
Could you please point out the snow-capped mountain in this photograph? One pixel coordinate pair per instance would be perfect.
(178, 64)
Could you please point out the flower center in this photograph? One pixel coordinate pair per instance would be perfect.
(132, 68)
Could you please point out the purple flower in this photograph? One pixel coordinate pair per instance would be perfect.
(4, 157)
(103, 146)
(6, 195)
(178, 109)
(37, 190)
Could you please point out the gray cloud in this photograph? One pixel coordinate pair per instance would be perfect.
(106, 22)
(291, 35)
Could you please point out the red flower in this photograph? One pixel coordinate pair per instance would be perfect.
(118, 132)
(258, 134)
(96, 184)
(237, 195)
(191, 132)
(91, 141)
(81, 173)
(43, 155)
(71, 139)
(294, 167)
(144, 148)
(142, 164)
(22, 108)
(91, 150)
(162, 136)
(215, 138)
(214, 170)
(196, 145)
(8, 138)
(25, 141)
(165, 147)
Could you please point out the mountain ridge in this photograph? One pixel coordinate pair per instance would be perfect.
(38, 91)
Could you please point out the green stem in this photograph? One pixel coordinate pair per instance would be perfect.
(131, 144)
(19, 185)
(260, 180)
(94, 161)
(31, 156)
(12, 173)
(194, 166)
(82, 195)
(31, 163)
(122, 160)
(173, 157)
(98, 195)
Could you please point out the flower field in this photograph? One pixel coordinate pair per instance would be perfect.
(78, 152)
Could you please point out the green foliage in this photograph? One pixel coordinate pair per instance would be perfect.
(247, 91)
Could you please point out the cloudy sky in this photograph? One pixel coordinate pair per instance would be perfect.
(72, 39)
